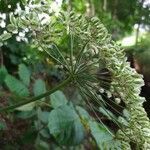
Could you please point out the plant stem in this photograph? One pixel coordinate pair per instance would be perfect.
(62, 84)
(71, 51)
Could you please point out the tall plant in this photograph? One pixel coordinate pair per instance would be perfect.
(90, 49)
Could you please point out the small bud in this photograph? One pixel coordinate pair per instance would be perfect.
(3, 24)
(18, 38)
(9, 6)
(101, 90)
(117, 100)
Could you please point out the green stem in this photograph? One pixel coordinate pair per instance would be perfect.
(62, 84)
(71, 51)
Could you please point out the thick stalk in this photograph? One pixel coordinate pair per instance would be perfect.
(62, 84)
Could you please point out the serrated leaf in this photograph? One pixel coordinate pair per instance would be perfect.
(103, 138)
(24, 74)
(58, 99)
(65, 125)
(39, 87)
(16, 86)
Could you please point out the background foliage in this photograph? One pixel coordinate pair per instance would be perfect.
(64, 119)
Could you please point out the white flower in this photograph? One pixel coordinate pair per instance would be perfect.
(59, 2)
(3, 24)
(3, 16)
(27, 9)
(5, 32)
(18, 38)
(21, 37)
(55, 6)
(9, 6)
(117, 100)
(101, 90)
(18, 10)
(44, 18)
(21, 34)
(109, 95)
(26, 30)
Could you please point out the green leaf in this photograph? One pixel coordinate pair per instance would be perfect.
(43, 116)
(41, 145)
(11, 28)
(103, 138)
(24, 2)
(3, 73)
(27, 107)
(24, 74)
(65, 125)
(39, 87)
(83, 113)
(45, 133)
(25, 114)
(58, 99)
(16, 86)
(5, 36)
(13, 20)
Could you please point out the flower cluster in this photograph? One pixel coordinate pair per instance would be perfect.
(2, 20)
(30, 13)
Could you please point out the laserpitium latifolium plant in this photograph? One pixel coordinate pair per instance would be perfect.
(90, 49)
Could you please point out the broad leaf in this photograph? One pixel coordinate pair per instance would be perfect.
(58, 99)
(3, 73)
(43, 115)
(64, 124)
(83, 113)
(24, 74)
(39, 87)
(25, 114)
(16, 86)
(103, 138)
